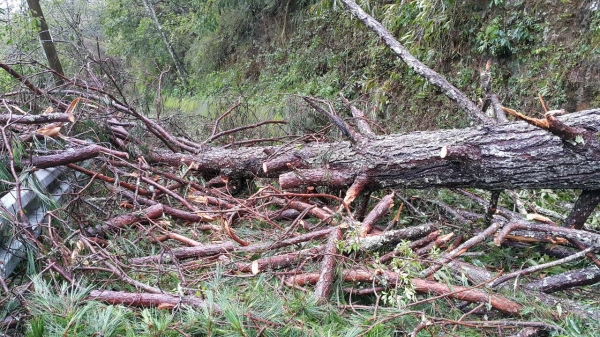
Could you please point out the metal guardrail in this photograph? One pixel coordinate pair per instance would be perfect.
(13, 247)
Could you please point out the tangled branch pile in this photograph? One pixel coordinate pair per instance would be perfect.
(152, 213)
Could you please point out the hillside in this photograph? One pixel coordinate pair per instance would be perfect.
(545, 47)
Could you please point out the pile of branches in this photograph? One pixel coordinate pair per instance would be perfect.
(313, 203)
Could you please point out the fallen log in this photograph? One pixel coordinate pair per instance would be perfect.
(393, 237)
(507, 156)
(221, 248)
(417, 66)
(382, 207)
(551, 233)
(279, 261)
(36, 119)
(71, 156)
(583, 208)
(478, 275)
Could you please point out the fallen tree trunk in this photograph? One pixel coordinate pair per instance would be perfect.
(507, 156)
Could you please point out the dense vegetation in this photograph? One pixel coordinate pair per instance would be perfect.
(265, 50)
(264, 53)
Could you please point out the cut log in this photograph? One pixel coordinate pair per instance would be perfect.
(36, 119)
(382, 207)
(152, 212)
(71, 156)
(570, 279)
(507, 156)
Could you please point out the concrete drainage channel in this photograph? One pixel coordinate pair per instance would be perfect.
(13, 247)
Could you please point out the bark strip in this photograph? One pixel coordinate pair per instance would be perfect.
(327, 276)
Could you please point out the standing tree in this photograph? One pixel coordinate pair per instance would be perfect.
(178, 65)
(46, 39)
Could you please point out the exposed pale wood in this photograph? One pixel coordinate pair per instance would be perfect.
(357, 187)
(439, 242)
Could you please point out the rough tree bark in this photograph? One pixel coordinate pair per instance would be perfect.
(507, 156)
(583, 208)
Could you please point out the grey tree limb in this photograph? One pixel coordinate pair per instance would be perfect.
(417, 66)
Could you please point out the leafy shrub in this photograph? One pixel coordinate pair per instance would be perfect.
(501, 42)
